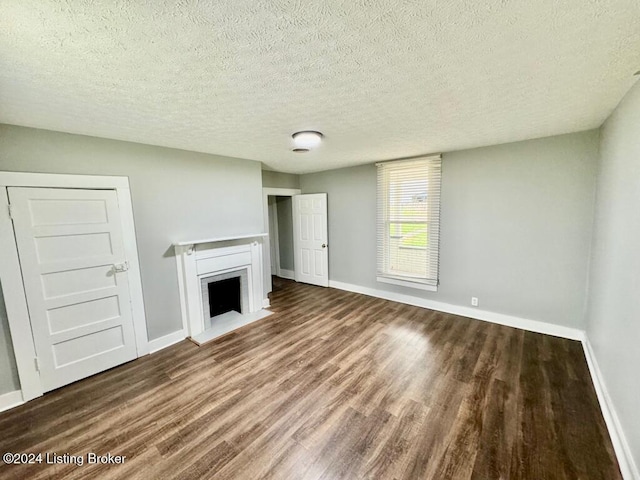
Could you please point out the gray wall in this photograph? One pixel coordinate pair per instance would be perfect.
(272, 179)
(613, 320)
(285, 231)
(177, 195)
(8, 372)
(515, 232)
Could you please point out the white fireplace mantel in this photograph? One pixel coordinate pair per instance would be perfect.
(218, 239)
(201, 258)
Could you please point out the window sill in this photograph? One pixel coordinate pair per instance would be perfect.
(407, 283)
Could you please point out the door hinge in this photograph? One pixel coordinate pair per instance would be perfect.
(10, 208)
(36, 361)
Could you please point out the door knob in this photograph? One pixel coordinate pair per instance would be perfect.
(324, 245)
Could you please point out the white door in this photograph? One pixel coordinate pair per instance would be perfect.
(310, 241)
(74, 273)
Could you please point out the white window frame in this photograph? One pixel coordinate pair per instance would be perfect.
(395, 279)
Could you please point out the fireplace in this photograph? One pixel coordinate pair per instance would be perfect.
(208, 309)
(224, 296)
(222, 293)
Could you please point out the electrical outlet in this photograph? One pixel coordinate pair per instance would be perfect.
(474, 301)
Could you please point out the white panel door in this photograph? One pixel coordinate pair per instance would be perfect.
(74, 272)
(310, 242)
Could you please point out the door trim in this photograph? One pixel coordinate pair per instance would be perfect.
(266, 245)
(274, 239)
(11, 275)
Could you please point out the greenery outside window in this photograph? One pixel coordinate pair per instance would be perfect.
(408, 222)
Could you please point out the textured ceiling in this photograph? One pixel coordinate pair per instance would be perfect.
(381, 79)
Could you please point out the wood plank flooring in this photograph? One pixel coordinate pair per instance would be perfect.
(333, 385)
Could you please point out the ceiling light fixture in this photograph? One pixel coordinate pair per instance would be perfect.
(306, 140)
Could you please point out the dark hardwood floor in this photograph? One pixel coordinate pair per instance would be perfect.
(333, 385)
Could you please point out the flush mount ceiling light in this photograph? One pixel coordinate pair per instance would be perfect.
(306, 140)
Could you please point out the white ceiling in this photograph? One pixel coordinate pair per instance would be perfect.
(381, 79)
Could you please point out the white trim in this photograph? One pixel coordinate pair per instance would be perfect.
(274, 237)
(218, 239)
(485, 315)
(432, 156)
(266, 249)
(181, 269)
(408, 283)
(189, 298)
(16, 304)
(134, 277)
(24, 179)
(266, 303)
(163, 342)
(284, 273)
(17, 311)
(628, 467)
(10, 400)
(281, 192)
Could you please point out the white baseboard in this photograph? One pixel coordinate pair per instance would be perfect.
(627, 464)
(623, 451)
(166, 341)
(10, 399)
(471, 312)
(288, 274)
(266, 303)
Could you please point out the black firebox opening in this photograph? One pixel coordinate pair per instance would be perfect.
(224, 296)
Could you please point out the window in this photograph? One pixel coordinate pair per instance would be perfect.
(409, 222)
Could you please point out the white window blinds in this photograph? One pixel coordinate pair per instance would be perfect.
(408, 221)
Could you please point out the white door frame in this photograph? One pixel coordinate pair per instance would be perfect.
(274, 238)
(11, 275)
(266, 248)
